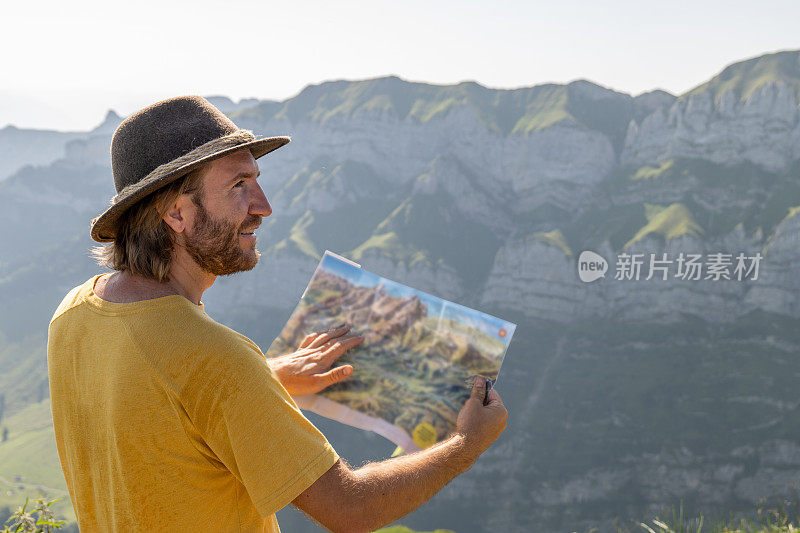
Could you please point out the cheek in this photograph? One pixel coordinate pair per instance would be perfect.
(236, 204)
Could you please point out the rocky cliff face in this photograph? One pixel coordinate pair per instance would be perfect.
(625, 394)
(763, 129)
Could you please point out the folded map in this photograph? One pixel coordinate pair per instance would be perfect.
(419, 356)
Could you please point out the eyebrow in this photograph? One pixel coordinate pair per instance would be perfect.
(241, 175)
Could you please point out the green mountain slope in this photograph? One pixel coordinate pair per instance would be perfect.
(29, 462)
(427, 226)
(744, 77)
(692, 196)
(519, 111)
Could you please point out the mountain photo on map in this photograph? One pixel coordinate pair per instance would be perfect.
(420, 353)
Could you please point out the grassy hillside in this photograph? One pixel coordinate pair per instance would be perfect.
(668, 221)
(677, 197)
(519, 112)
(745, 77)
(24, 378)
(29, 462)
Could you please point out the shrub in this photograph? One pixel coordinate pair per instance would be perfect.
(38, 520)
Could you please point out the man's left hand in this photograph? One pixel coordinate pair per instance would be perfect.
(308, 370)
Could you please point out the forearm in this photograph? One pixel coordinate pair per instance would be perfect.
(379, 493)
(388, 490)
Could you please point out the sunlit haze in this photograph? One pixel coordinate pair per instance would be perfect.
(66, 63)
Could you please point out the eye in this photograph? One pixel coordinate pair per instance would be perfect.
(239, 183)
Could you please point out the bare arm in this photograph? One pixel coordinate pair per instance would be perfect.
(379, 493)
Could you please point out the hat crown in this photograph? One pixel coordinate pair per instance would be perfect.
(162, 132)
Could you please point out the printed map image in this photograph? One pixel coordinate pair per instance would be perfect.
(420, 353)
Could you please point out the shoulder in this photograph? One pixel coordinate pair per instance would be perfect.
(74, 297)
(203, 332)
(195, 345)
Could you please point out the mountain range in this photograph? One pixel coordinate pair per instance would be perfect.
(625, 395)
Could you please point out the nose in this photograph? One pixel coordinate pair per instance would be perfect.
(259, 205)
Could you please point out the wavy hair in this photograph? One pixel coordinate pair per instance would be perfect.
(144, 243)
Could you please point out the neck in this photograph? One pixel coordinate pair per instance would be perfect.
(187, 278)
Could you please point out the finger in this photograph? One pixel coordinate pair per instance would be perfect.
(494, 398)
(335, 375)
(478, 390)
(325, 336)
(309, 338)
(338, 348)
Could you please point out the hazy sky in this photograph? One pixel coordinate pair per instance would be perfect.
(63, 64)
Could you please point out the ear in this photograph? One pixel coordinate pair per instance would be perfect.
(176, 216)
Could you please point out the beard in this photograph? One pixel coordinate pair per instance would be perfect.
(214, 244)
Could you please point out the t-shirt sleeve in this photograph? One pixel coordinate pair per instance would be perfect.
(252, 425)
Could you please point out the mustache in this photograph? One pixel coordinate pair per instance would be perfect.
(253, 221)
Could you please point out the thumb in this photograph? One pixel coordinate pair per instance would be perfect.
(335, 375)
(478, 389)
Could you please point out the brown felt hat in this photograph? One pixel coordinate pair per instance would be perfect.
(167, 140)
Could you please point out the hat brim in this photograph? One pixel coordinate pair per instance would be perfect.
(103, 228)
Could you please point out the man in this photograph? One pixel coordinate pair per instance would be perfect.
(167, 420)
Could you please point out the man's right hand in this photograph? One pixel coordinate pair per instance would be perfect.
(479, 424)
(377, 494)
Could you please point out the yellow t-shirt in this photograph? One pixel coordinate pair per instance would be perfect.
(167, 420)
